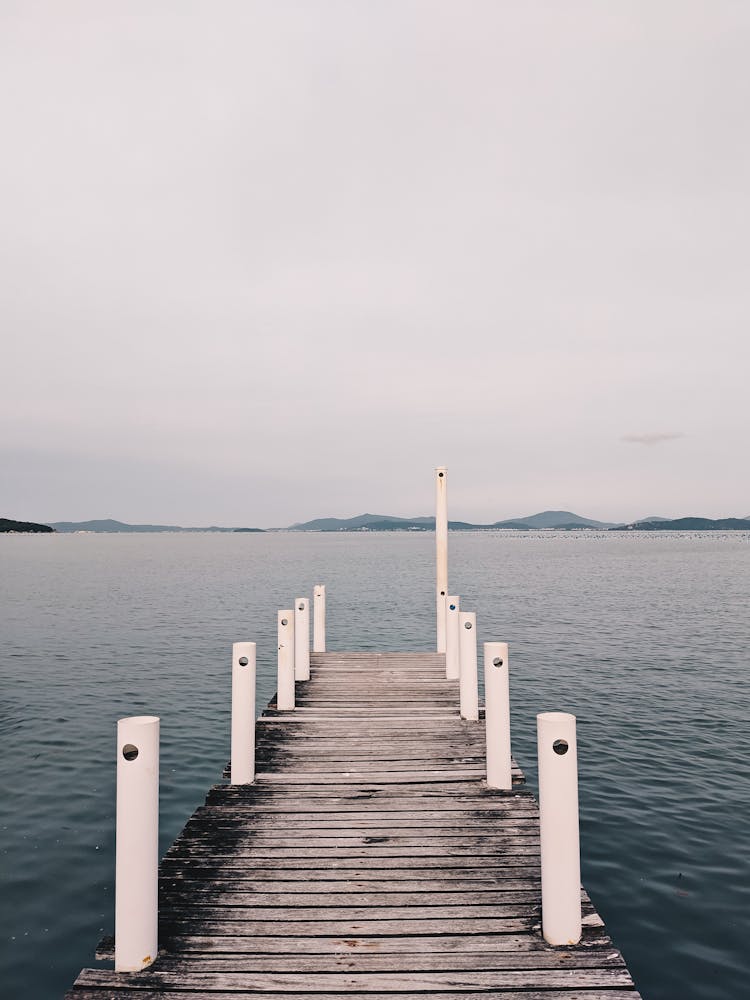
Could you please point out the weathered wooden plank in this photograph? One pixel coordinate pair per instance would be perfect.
(277, 854)
(343, 723)
(339, 981)
(268, 836)
(258, 824)
(204, 866)
(373, 788)
(210, 881)
(337, 749)
(288, 807)
(212, 909)
(350, 927)
(128, 993)
(448, 839)
(266, 798)
(280, 801)
(383, 777)
(373, 867)
(198, 894)
(398, 963)
(230, 817)
(387, 710)
(442, 944)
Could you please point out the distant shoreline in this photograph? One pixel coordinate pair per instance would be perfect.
(737, 524)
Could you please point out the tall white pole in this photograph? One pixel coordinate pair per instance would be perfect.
(441, 545)
(497, 715)
(302, 639)
(137, 845)
(319, 618)
(285, 678)
(467, 657)
(243, 713)
(452, 654)
(558, 825)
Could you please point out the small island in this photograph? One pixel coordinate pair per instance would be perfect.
(7, 524)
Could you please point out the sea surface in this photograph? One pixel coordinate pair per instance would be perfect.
(644, 636)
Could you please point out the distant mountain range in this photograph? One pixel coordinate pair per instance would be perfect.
(119, 526)
(558, 519)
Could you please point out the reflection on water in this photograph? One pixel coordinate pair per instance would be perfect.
(643, 637)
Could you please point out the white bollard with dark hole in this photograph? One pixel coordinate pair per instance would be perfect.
(452, 654)
(497, 715)
(302, 639)
(243, 713)
(137, 845)
(319, 618)
(441, 545)
(285, 678)
(467, 656)
(558, 825)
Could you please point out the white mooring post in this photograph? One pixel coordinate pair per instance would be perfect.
(285, 679)
(497, 715)
(243, 713)
(302, 639)
(467, 655)
(319, 618)
(441, 545)
(558, 825)
(452, 654)
(137, 845)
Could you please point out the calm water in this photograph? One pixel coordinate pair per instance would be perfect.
(644, 637)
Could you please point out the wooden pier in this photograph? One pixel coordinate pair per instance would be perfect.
(368, 860)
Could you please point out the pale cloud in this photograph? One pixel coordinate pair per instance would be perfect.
(653, 437)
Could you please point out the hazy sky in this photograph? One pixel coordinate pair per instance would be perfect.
(265, 261)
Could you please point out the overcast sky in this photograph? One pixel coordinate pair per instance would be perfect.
(266, 261)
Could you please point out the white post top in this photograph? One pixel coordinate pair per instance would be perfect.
(555, 720)
(138, 720)
(496, 651)
(139, 735)
(242, 649)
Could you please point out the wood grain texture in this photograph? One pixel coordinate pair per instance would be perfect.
(369, 860)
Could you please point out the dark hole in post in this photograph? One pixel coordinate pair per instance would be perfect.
(497, 662)
(244, 661)
(440, 475)
(442, 593)
(452, 607)
(301, 607)
(467, 624)
(129, 751)
(284, 621)
(560, 746)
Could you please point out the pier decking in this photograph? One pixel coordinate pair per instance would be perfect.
(369, 859)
